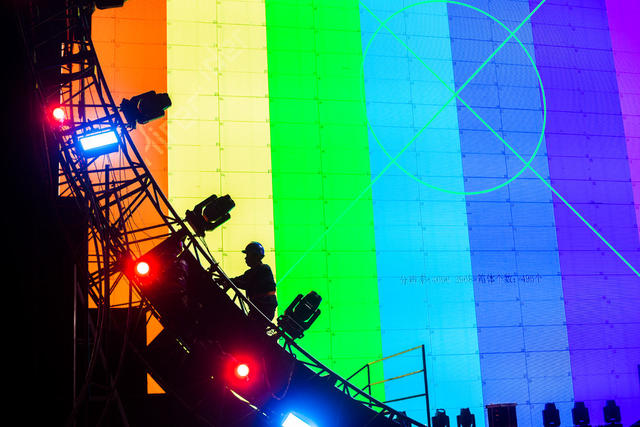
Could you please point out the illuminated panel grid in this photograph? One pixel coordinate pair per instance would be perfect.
(421, 234)
(219, 122)
(134, 62)
(589, 166)
(625, 41)
(518, 287)
(320, 160)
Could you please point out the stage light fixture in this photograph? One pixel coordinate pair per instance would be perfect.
(466, 418)
(293, 420)
(210, 214)
(242, 370)
(142, 268)
(300, 314)
(144, 108)
(58, 114)
(109, 4)
(162, 263)
(612, 413)
(99, 143)
(580, 415)
(441, 419)
(550, 415)
(244, 374)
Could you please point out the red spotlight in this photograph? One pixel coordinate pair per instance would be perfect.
(242, 371)
(142, 268)
(58, 114)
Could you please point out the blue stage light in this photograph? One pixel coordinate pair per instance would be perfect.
(294, 421)
(96, 144)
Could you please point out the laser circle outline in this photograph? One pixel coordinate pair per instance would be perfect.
(394, 160)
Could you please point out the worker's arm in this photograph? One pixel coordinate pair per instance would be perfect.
(240, 281)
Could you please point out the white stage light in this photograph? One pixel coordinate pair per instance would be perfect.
(293, 421)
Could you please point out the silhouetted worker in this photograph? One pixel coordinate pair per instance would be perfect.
(258, 281)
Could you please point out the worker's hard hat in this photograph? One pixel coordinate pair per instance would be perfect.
(254, 248)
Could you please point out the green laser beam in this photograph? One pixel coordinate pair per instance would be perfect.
(410, 142)
(364, 191)
(493, 131)
(406, 146)
(512, 34)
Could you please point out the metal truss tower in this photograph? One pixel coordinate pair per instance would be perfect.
(118, 188)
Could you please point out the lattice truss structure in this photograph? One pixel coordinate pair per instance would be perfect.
(118, 189)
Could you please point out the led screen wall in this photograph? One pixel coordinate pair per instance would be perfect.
(459, 175)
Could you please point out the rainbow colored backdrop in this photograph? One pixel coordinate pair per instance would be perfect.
(501, 234)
